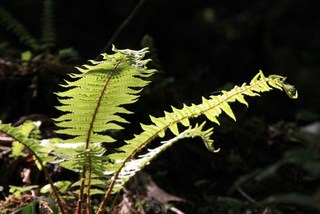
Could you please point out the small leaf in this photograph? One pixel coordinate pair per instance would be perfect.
(291, 91)
(212, 117)
(28, 209)
(52, 204)
(292, 198)
(185, 121)
(232, 203)
(255, 78)
(161, 134)
(17, 150)
(241, 99)
(16, 190)
(276, 85)
(174, 129)
(26, 56)
(226, 108)
(62, 186)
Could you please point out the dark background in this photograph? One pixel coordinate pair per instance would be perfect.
(201, 45)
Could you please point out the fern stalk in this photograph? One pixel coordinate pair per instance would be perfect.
(90, 131)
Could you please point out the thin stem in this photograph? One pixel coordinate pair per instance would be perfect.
(244, 194)
(55, 192)
(89, 185)
(90, 131)
(81, 197)
(46, 173)
(122, 26)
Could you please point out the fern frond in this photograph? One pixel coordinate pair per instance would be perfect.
(73, 156)
(133, 166)
(21, 134)
(48, 36)
(211, 108)
(29, 129)
(24, 135)
(94, 101)
(18, 29)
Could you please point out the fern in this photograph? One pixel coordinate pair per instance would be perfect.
(48, 36)
(211, 108)
(29, 129)
(98, 94)
(93, 105)
(133, 166)
(17, 28)
(21, 135)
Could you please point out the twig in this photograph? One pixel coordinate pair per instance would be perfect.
(244, 194)
(122, 26)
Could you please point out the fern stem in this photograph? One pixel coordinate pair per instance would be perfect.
(78, 209)
(54, 189)
(89, 185)
(99, 102)
(113, 181)
(122, 26)
(97, 107)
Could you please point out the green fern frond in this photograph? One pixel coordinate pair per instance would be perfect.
(98, 96)
(133, 166)
(48, 36)
(21, 134)
(29, 129)
(75, 156)
(18, 29)
(211, 108)
(94, 103)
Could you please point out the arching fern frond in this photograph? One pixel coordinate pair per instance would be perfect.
(99, 93)
(94, 103)
(211, 108)
(133, 166)
(21, 134)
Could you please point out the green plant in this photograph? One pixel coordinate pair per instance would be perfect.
(93, 102)
(43, 47)
(48, 37)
